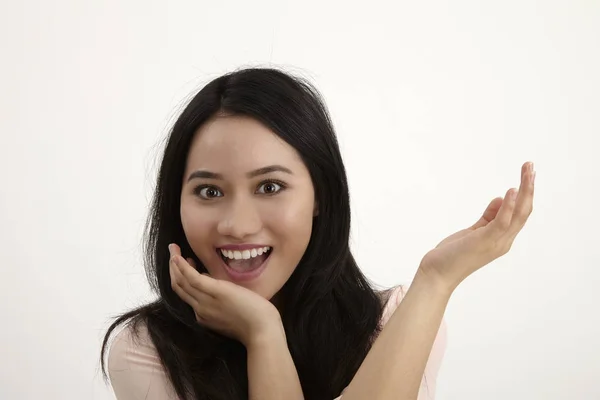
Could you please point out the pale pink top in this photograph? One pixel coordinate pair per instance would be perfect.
(136, 372)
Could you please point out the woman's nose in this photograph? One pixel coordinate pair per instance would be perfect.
(241, 220)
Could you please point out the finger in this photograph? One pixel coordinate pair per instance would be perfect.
(192, 278)
(191, 261)
(174, 250)
(202, 304)
(190, 295)
(186, 267)
(178, 289)
(489, 214)
(499, 226)
(193, 265)
(524, 202)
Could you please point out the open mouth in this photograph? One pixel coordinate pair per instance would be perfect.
(243, 261)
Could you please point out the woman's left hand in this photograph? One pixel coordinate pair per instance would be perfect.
(230, 309)
(466, 251)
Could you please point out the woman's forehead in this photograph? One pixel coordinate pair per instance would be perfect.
(239, 144)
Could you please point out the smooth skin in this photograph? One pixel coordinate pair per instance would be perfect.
(241, 314)
(247, 200)
(394, 367)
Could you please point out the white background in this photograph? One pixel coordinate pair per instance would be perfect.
(437, 105)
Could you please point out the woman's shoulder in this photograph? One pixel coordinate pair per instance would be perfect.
(390, 299)
(134, 366)
(132, 343)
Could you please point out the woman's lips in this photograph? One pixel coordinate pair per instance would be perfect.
(244, 276)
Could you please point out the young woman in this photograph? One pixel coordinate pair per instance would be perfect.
(247, 249)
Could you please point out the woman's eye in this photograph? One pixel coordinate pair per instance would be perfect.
(269, 188)
(209, 192)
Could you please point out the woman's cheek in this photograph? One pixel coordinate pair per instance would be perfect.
(197, 227)
(291, 224)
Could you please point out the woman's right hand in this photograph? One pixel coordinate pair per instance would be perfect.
(230, 309)
(466, 251)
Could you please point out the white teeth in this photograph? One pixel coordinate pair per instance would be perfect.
(245, 254)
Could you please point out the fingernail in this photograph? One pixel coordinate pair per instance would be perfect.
(513, 195)
(171, 249)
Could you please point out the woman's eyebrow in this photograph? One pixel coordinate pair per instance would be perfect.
(267, 170)
(252, 174)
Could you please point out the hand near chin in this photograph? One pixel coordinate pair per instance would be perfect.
(230, 309)
(466, 251)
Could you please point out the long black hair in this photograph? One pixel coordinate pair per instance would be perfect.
(331, 312)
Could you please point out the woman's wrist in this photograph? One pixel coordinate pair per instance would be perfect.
(433, 284)
(271, 370)
(270, 332)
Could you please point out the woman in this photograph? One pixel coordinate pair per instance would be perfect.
(247, 248)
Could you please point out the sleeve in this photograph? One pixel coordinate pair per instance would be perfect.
(135, 370)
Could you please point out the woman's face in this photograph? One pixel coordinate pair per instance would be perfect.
(247, 204)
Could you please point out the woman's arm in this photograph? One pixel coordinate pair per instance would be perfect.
(271, 370)
(394, 367)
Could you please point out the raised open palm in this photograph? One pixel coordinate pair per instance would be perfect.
(466, 251)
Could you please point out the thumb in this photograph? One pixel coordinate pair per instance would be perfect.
(489, 214)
